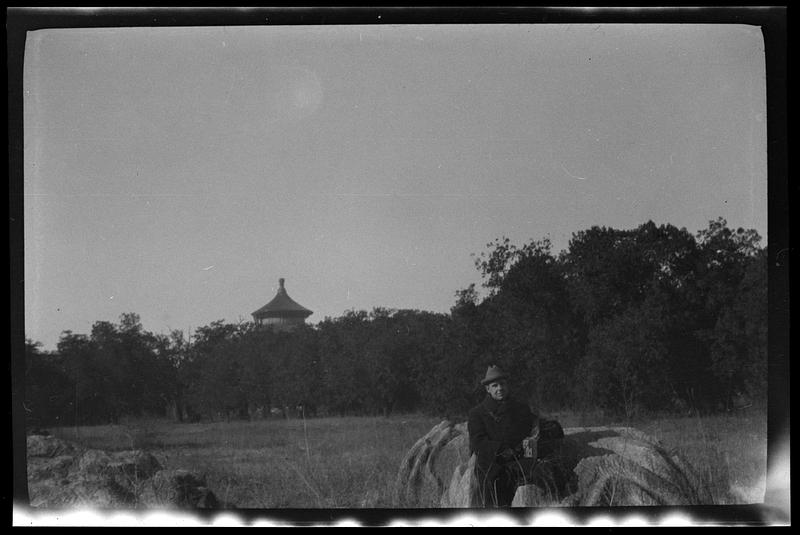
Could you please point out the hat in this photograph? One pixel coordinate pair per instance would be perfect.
(493, 373)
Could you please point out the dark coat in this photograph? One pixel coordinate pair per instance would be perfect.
(495, 426)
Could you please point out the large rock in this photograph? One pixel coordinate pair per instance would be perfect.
(623, 466)
(180, 488)
(80, 491)
(609, 467)
(48, 446)
(49, 467)
(62, 474)
(420, 480)
(134, 464)
(49, 458)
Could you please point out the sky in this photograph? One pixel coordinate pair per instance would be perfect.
(178, 173)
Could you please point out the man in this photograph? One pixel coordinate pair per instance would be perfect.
(496, 428)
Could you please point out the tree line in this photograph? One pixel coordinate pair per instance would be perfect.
(646, 319)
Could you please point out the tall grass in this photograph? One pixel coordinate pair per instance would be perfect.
(351, 462)
(729, 451)
(316, 463)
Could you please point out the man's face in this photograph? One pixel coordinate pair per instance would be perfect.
(498, 389)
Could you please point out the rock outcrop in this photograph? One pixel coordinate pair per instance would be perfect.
(610, 466)
(64, 475)
(436, 466)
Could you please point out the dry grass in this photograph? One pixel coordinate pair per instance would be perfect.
(728, 451)
(319, 463)
(352, 462)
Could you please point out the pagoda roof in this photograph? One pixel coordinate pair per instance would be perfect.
(282, 306)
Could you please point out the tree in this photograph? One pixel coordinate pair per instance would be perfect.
(526, 322)
(256, 355)
(445, 375)
(49, 393)
(344, 368)
(739, 346)
(139, 375)
(86, 375)
(625, 319)
(732, 321)
(609, 270)
(651, 271)
(627, 361)
(211, 373)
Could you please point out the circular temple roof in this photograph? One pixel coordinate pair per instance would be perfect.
(282, 306)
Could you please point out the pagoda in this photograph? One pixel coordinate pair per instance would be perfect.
(282, 313)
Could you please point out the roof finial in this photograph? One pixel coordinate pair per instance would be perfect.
(280, 282)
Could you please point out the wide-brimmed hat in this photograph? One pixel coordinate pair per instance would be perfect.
(493, 373)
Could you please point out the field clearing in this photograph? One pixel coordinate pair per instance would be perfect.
(351, 462)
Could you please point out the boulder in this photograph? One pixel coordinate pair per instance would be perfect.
(63, 475)
(623, 466)
(134, 464)
(93, 461)
(610, 466)
(40, 468)
(430, 464)
(48, 446)
(178, 488)
(49, 458)
(80, 491)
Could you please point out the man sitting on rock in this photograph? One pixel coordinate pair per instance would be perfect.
(497, 427)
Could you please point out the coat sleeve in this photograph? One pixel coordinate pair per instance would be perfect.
(480, 442)
(534, 421)
(524, 422)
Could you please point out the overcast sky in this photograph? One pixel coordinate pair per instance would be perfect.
(179, 172)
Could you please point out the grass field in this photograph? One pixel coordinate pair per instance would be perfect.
(351, 462)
